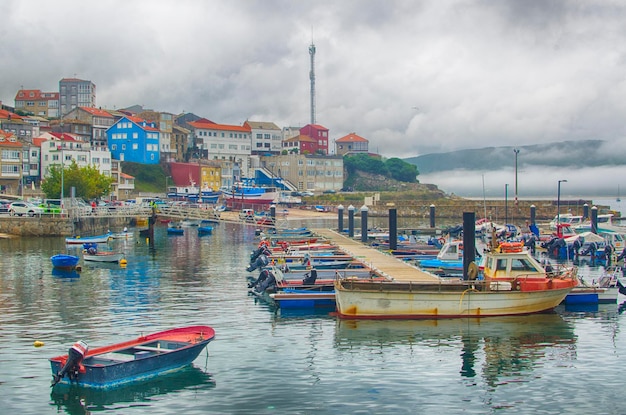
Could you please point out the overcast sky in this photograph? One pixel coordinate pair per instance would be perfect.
(413, 77)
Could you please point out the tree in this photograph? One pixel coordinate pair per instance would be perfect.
(401, 170)
(88, 182)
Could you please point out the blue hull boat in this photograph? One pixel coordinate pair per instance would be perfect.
(136, 360)
(64, 261)
(205, 230)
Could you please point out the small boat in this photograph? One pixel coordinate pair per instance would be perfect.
(175, 229)
(122, 235)
(603, 291)
(135, 360)
(297, 298)
(513, 283)
(79, 240)
(64, 261)
(106, 256)
(205, 230)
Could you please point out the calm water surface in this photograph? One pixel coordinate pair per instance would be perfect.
(267, 362)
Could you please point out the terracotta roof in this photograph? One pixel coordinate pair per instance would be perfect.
(140, 121)
(37, 95)
(8, 139)
(67, 137)
(38, 141)
(352, 137)
(4, 114)
(126, 176)
(317, 126)
(97, 112)
(221, 127)
(300, 138)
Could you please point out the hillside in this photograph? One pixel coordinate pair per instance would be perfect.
(577, 154)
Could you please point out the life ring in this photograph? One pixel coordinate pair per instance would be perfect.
(508, 247)
(442, 240)
(472, 270)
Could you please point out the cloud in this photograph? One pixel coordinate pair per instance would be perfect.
(480, 73)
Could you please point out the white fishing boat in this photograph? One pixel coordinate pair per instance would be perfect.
(514, 283)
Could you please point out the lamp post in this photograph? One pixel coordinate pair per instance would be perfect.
(62, 169)
(558, 206)
(167, 185)
(516, 151)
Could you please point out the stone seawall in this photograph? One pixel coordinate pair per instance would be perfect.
(58, 226)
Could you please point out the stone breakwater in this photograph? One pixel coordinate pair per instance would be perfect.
(60, 226)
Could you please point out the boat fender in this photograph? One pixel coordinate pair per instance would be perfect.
(75, 356)
(472, 271)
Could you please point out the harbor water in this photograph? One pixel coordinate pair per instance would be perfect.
(265, 361)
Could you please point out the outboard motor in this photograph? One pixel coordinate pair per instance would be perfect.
(309, 279)
(266, 280)
(262, 250)
(75, 356)
(260, 262)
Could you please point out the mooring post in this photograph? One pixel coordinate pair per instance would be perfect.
(351, 221)
(340, 218)
(432, 216)
(393, 228)
(364, 210)
(469, 242)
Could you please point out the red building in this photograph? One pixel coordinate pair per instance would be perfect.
(319, 134)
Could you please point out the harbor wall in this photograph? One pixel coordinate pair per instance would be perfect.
(61, 226)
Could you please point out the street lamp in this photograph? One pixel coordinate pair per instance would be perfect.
(516, 151)
(558, 206)
(62, 169)
(166, 184)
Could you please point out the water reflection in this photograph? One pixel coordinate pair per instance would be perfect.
(490, 347)
(63, 273)
(76, 400)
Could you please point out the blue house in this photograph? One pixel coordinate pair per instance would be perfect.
(134, 139)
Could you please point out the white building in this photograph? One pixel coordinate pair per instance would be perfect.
(223, 142)
(63, 148)
(266, 137)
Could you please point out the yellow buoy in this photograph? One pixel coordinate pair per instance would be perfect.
(38, 343)
(123, 261)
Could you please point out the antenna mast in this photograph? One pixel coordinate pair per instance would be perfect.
(312, 78)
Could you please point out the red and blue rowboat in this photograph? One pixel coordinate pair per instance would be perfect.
(135, 360)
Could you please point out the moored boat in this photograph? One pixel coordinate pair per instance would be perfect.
(79, 240)
(514, 283)
(142, 358)
(106, 256)
(64, 261)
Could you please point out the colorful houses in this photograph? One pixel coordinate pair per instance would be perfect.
(134, 139)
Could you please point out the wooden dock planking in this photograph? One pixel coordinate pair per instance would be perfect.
(385, 265)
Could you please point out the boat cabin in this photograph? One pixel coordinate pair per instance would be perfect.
(512, 261)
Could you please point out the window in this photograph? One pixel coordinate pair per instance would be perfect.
(135, 135)
(123, 146)
(135, 146)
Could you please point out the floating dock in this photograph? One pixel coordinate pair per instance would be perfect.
(381, 263)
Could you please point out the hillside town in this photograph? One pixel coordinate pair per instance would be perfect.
(45, 129)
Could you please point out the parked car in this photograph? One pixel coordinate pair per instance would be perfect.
(50, 208)
(24, 208)
(4, 206)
